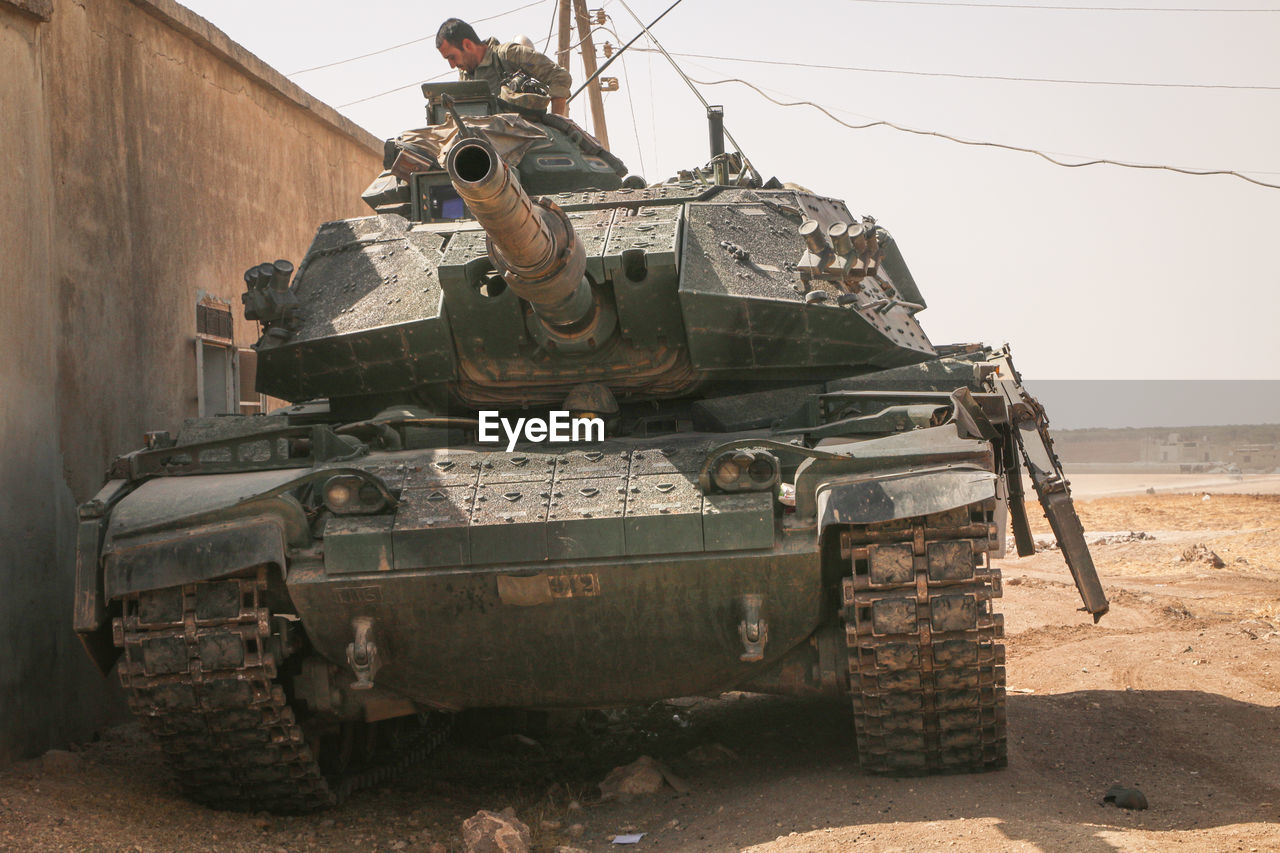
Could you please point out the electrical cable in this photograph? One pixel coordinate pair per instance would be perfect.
(746, 161)
(635, 125)
(1054, 8)
(555, 15)
(969, 76)
(653, 113)
(594, 30)
(902, 128)
(643, 31)
(428, 80)
(393, 91)
(779, 93)
(414, 41)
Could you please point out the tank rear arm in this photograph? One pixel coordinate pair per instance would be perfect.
(1030, 427)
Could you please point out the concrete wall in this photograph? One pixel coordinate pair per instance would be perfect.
(148, 160)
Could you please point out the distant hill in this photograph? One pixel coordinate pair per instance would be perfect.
(1164, 404)
(1145, 444)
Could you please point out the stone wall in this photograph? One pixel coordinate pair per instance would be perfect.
(148, 161)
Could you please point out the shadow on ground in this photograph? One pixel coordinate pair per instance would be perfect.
(788, 781)
(1203, 760)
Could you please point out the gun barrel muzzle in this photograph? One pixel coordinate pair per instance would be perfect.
(501, 205)
(532, 243)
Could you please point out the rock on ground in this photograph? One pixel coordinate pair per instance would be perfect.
(59, 762)
(490, 832)
(643, 776)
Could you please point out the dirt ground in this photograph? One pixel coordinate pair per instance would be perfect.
(1176, 692)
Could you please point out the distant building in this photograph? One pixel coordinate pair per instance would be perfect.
(1255, 457)
(1241, 448)
(1181, 451)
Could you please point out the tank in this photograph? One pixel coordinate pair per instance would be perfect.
(558, 439)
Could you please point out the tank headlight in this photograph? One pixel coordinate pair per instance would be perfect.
(337, 495)
(745, 471)
(346, 494)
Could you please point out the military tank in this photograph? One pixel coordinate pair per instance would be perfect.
(563, 440)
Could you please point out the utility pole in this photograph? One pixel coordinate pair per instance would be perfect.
(589, 67)
(562, 55)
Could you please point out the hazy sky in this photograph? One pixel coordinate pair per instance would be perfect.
(1089, 272)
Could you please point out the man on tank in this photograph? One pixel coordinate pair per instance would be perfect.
(519, 74)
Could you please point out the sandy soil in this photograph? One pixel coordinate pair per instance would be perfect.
(1176, 692)
(1088, 485)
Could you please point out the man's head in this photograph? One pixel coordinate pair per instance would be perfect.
(459, 44)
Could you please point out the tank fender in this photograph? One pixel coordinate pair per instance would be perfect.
(90, 618)
(869, 500)
(178, 530)
(901, 454)
(193, 554)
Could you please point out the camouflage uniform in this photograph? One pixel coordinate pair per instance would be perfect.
(502, 60)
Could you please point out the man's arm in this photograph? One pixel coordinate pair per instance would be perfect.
(536, 65)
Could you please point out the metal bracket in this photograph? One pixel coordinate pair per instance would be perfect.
(464, 132)
(362, 653)
(753, 630)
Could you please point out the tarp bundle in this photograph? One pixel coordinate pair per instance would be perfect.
(510, 134)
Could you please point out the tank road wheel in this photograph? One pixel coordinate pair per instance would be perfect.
(926, 672)
(200, 670)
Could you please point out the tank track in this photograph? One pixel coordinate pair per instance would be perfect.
(926, 672)
(200, 671)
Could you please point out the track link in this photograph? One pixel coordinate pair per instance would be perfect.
(200, 667)
(926, 672)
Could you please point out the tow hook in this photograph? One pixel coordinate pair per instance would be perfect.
(362, 653)
(753, 630)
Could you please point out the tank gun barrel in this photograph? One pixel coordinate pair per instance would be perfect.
(531, 242)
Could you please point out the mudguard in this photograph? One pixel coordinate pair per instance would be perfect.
(91, 620)
(178, 530)
(869, 500)
(906, 454)
(194, 554)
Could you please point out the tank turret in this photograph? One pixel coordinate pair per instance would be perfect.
(482, 290)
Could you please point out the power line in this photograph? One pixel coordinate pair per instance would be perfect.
(393, 91)
(555, 16)
(1054, 8)
(644, 31)
(593, 31)
(635, 125)
(414, 41)
(780, 93)
(653, 114)
(1094, 162)
(971, 76)
(429, 79)
(597, 28)
(745, 159)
